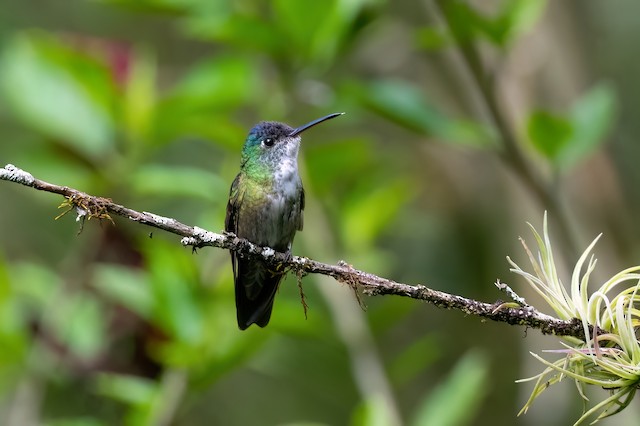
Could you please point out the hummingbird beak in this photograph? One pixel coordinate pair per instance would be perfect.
(304, 127)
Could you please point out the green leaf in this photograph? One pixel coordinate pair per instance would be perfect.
(126, 286)
(513, 18)
(370, 209)
(405, 105)
(314, 30)
(129, 389)
(567, 140)
(592, 117)
(179, 181)
(79, 323)
(35, 284)
(432, 39)
(222, 82)
(140, 96)
(456, 401)
(245, 27)
(15, 336)
(373, 412)
(78, 421)
(549, 133)
(157, 6)
(519, 16)
(59, 92)
(304, 20)
(200, 104)
(462, 20)
(415, 358)
(78, 319)
(335, 166)
(176, 306)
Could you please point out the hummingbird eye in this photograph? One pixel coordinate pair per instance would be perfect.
(268, 142)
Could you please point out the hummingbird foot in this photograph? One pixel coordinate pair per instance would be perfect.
(284, 266)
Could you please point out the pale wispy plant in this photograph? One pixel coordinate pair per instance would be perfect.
(609, 356)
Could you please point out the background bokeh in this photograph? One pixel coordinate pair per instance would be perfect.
(464, 121)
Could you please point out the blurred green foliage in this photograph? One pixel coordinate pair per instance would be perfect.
(566, 140)
(148, 103)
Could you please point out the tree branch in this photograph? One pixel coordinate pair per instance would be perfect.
(515, 313)
(512, 154)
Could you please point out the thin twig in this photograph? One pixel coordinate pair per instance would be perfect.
(519, 300)
(372, 285)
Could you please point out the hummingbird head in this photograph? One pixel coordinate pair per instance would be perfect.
(268, 143)
(271, 144)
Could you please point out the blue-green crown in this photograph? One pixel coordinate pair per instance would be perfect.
(265, 130)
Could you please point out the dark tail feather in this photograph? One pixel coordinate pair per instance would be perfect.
(256, 287)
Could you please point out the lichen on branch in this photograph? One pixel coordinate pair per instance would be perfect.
(513, 313)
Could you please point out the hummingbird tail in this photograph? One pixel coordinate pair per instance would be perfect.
(256, 285)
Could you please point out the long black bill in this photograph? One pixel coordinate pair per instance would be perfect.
(304, 127)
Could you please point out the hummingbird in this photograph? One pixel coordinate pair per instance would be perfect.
(265, 206)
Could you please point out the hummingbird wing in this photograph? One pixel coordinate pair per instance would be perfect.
(255, 282)
(231, 220)
(300, 215)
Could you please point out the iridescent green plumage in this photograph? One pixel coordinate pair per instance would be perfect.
(265, 206)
